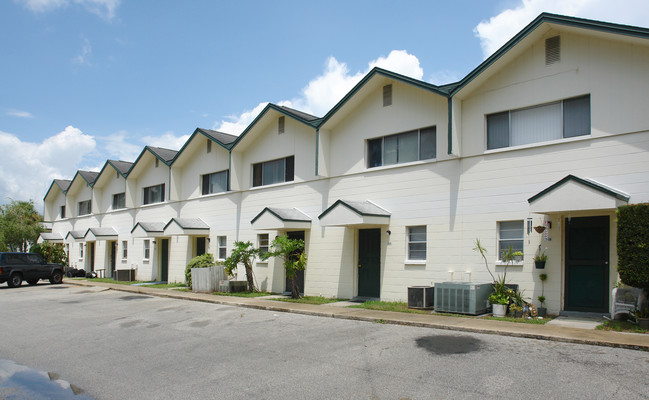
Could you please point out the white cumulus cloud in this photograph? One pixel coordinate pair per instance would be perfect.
(497, 30)
(326, 89)
(167, 140)
(103, 8)
(27, 169)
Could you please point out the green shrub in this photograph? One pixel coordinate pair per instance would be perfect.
(51, 253)
(203, 261)
(633, 245)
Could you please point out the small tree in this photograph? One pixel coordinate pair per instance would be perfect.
(20, 225)
(51, 252)
(291, 251)
(243, 253)
(203, 261)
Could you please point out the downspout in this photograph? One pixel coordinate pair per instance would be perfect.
(317, 148)
(450, 125)
(229, 169)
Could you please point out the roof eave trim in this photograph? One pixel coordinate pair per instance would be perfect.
(591, 184)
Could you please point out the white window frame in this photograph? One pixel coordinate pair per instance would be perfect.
(410, 241)
(221, 244)
(81, 251)
(501, 247)
(261, 239)
(147, 249)
(124, 249)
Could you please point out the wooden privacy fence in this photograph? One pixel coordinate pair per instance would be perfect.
(206, 280)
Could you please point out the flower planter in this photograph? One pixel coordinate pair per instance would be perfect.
(499, 310)
(542, 311)
(539, 264)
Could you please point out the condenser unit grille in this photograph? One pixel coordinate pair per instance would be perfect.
(463, 298)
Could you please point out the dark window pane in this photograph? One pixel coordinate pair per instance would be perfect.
(408, 144)
(206, 184)
(374, 152)
(257, 174)
(427, 143)
(498, 130)
(390, 150)
(290, 168)
(576, 117)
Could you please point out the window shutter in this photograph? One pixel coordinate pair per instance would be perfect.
(290, 168)
(387, 95)
(257, 173)
(552, 50)
(280, 124)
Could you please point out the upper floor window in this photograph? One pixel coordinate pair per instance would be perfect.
(275, 171)
(85, 207)
(215, 183)
(420, 144)
(154, 194)
(119, 201)
(562, 119)
(62, 211)
(510, 235)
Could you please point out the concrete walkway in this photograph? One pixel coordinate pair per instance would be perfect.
(562, 330)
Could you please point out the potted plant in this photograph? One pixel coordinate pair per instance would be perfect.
(518, 256)
(542, 311)
(499, 302)
(539, 259)
(519, 305)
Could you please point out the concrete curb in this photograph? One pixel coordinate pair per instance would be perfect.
(634, 341)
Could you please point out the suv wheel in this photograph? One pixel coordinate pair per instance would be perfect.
(56, 278)
(15, 280)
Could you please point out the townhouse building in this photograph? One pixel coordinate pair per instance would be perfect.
(392, 186)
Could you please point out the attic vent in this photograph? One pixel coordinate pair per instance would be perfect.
(280, 124)
(387, 95)
(157, 162)
(209, 146)
(116, 175)
(552, 50)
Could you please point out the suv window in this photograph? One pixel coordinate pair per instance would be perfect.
(15, 259)
(34, 259)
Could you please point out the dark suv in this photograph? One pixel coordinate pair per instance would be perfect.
(18, 267)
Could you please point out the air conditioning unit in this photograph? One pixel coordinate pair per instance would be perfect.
(462, 297)
(125, 275)
(421, 296)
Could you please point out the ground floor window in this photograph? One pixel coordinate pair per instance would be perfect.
(147, 249)
(124, 249)
(222, 247)
(262, 242)
(416, 243)
(510, 234)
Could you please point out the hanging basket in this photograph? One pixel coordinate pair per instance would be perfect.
(539, 229)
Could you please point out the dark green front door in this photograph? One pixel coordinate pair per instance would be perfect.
(113, 258)
(164, 259)
(91, 254)
(369, 263)
(587, 264)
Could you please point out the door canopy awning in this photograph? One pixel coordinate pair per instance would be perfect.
(576, 194)
(347, 213)
(148, 229)
(75, 236)
(49, 237)
(93, 234)
(186, 226)
(271, 218)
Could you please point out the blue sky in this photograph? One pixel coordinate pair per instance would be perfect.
(83, 81)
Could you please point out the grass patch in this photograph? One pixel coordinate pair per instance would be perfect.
(310, 300)
(621, 326)
(243, 294)
(397, 306)
(167, 285)
(533, 321)
(183, 289)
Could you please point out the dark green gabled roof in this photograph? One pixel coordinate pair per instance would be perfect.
(389, 74)
(89, 176)
(224, 140)
(607, 27)
(306, 119)
(62, 184)
(162, 154)
(121, 166)
(586, 182)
